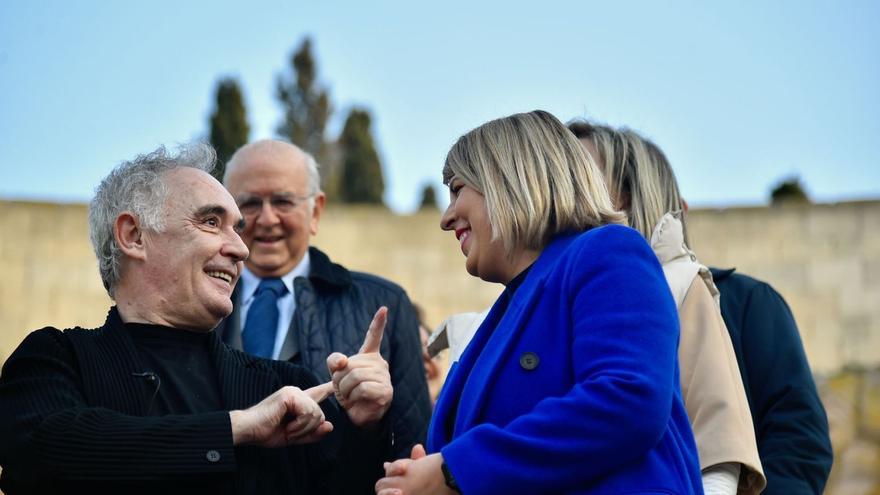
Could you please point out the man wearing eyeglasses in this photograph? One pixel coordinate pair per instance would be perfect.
(294, 304)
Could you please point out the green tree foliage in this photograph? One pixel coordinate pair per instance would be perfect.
(429, 198)
(362, 180)
(306, 104)
(229, 127)
(789, 190)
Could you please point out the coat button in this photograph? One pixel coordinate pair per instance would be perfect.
(529, 361)
(213, 456)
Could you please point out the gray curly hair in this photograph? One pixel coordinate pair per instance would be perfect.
(137, 187)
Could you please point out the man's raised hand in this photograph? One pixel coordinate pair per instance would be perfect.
(288, 416)
(361, 382)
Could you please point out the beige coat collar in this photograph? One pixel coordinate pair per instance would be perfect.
(680, 264)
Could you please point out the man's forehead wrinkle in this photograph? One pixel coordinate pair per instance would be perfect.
(274, 194)
(277, 149)
(270, 152)
(189, 183)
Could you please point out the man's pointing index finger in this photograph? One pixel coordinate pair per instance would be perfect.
(373, 340)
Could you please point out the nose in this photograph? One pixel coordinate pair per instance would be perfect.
(448, 218)
(267, 215)
(235, 248)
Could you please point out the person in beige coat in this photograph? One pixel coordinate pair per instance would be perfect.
(642, 183)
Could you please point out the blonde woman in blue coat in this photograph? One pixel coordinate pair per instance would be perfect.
(570, 385)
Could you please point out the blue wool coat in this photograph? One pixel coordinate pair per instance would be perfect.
(571, 384)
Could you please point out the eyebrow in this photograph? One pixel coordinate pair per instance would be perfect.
(221, 212)
(211, 210)
(247, 197)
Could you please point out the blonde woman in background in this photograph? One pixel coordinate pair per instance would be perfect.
(641, 183)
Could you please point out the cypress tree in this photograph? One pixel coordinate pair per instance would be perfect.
(307, 109)
(362, 180)
(429, 198)
(789, 191)
(229, 127)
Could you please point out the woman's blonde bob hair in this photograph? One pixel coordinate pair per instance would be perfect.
(536, 178)
(639, 177)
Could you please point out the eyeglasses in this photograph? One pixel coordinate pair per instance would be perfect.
(281, 204)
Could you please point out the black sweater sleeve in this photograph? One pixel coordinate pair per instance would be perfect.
(49, 431)
(349, 460)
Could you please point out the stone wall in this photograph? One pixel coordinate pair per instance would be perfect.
(50, 272)
(824, 259)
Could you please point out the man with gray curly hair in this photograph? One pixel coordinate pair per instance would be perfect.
(152, 401)
(142, 191)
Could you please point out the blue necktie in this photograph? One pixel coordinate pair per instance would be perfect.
(261, 324)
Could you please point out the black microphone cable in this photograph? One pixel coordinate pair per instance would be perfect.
(154, 379)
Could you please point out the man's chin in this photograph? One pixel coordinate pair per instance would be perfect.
(216, 314)
(265, 252)
(267, 267)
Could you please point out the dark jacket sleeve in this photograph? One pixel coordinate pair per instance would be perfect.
(790, 422)
(362, 452)
(410, 410)
(349, 460)
(48, 431)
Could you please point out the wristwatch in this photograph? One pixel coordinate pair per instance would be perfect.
(450, 480)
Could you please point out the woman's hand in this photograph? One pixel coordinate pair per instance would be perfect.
(420, 474)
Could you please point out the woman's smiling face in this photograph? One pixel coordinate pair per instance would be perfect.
(468, 217)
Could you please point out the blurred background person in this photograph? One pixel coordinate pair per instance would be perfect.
(294, 303)
(642, 184)
(790, 429)
(435, 367)
(551, 394)
(455, 332)
(790, 421)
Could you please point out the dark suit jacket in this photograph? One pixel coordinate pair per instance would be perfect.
(73, 416)
(790, 423)
(334, 307)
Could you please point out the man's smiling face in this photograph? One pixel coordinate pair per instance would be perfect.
(270, 183)
(198, 256)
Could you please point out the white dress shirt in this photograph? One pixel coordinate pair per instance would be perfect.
(286, 303)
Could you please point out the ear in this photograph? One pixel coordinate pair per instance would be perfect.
(684, 205)
(129, 235)
(320, 199)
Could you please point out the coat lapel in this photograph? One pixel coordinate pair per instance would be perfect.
(485, 364)
(229, 329)
(244, 380)
(481, 363)
(311, 328)
(437, 435)
(137, 388)
(290, 346)
(113, 375)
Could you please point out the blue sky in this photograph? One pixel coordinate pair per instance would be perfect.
(738, 94)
